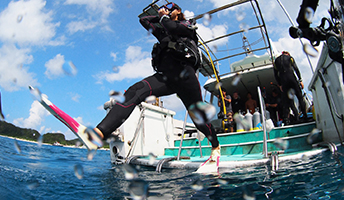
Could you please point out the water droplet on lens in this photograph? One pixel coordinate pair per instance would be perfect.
(151, 99)
(91, 154)
(78, 143)
(152, 158)
(115, 69)
(222, 181)
(150, 31)
(240, 15)
(206, 19)
(214, 47)
(19, 18)
(69, 68)
(291, 93)
(184, 74)
(138, 189)
(36, 94)
(248, 194)
(245, 123)
(339, 92)
(197, 185)
(281, 144)
(33, 185)
(40, 140)
(236, 79)
(313, 136)
(78, 171)
(117, 96)
(309, 13)
(244, 27)
(202, 112)
(16, 146)
(93, 137)
(304, 157)
(129, 172)
(341, 189)
(218, 85)
(310, 50)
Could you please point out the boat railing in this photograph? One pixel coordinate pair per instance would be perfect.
(262, 105)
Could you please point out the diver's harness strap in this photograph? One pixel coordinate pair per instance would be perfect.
(181, 48)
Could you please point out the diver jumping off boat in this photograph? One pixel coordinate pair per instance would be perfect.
(175, 60)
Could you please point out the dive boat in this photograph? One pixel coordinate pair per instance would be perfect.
(152, 137)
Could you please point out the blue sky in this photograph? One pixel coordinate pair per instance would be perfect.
(109, 49)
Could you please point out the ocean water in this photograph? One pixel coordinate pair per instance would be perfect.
(50, 172)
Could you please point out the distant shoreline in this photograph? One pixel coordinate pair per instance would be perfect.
(31, 141)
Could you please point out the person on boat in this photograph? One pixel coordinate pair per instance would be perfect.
(250, 104)
(175, 72)
(229, 112)
(237, 104)
(284, 71)
(273, 105)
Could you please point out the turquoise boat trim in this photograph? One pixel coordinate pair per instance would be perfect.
(248, 136)
(294, 143)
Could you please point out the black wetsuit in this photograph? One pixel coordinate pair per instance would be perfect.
(273, 110)
(173, 76)
(284, 74)
(237, 105)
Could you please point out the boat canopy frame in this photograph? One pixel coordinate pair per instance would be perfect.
(206, 64)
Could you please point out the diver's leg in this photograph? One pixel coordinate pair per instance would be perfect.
(137, 93)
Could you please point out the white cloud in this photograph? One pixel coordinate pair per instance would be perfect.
(138, 65)
(13, 73)
(83, 25)
(208, 33)
(189, 14)
(55, 67)
(219, 3)
(36, 117)
(114, 56)
(75, 97)
(98, 12)
(25, 23)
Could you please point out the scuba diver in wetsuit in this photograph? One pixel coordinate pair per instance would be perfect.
(284, 68)
(175, 72)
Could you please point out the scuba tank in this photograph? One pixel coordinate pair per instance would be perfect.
(238, 117)
(256, 119)
(248, 118)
